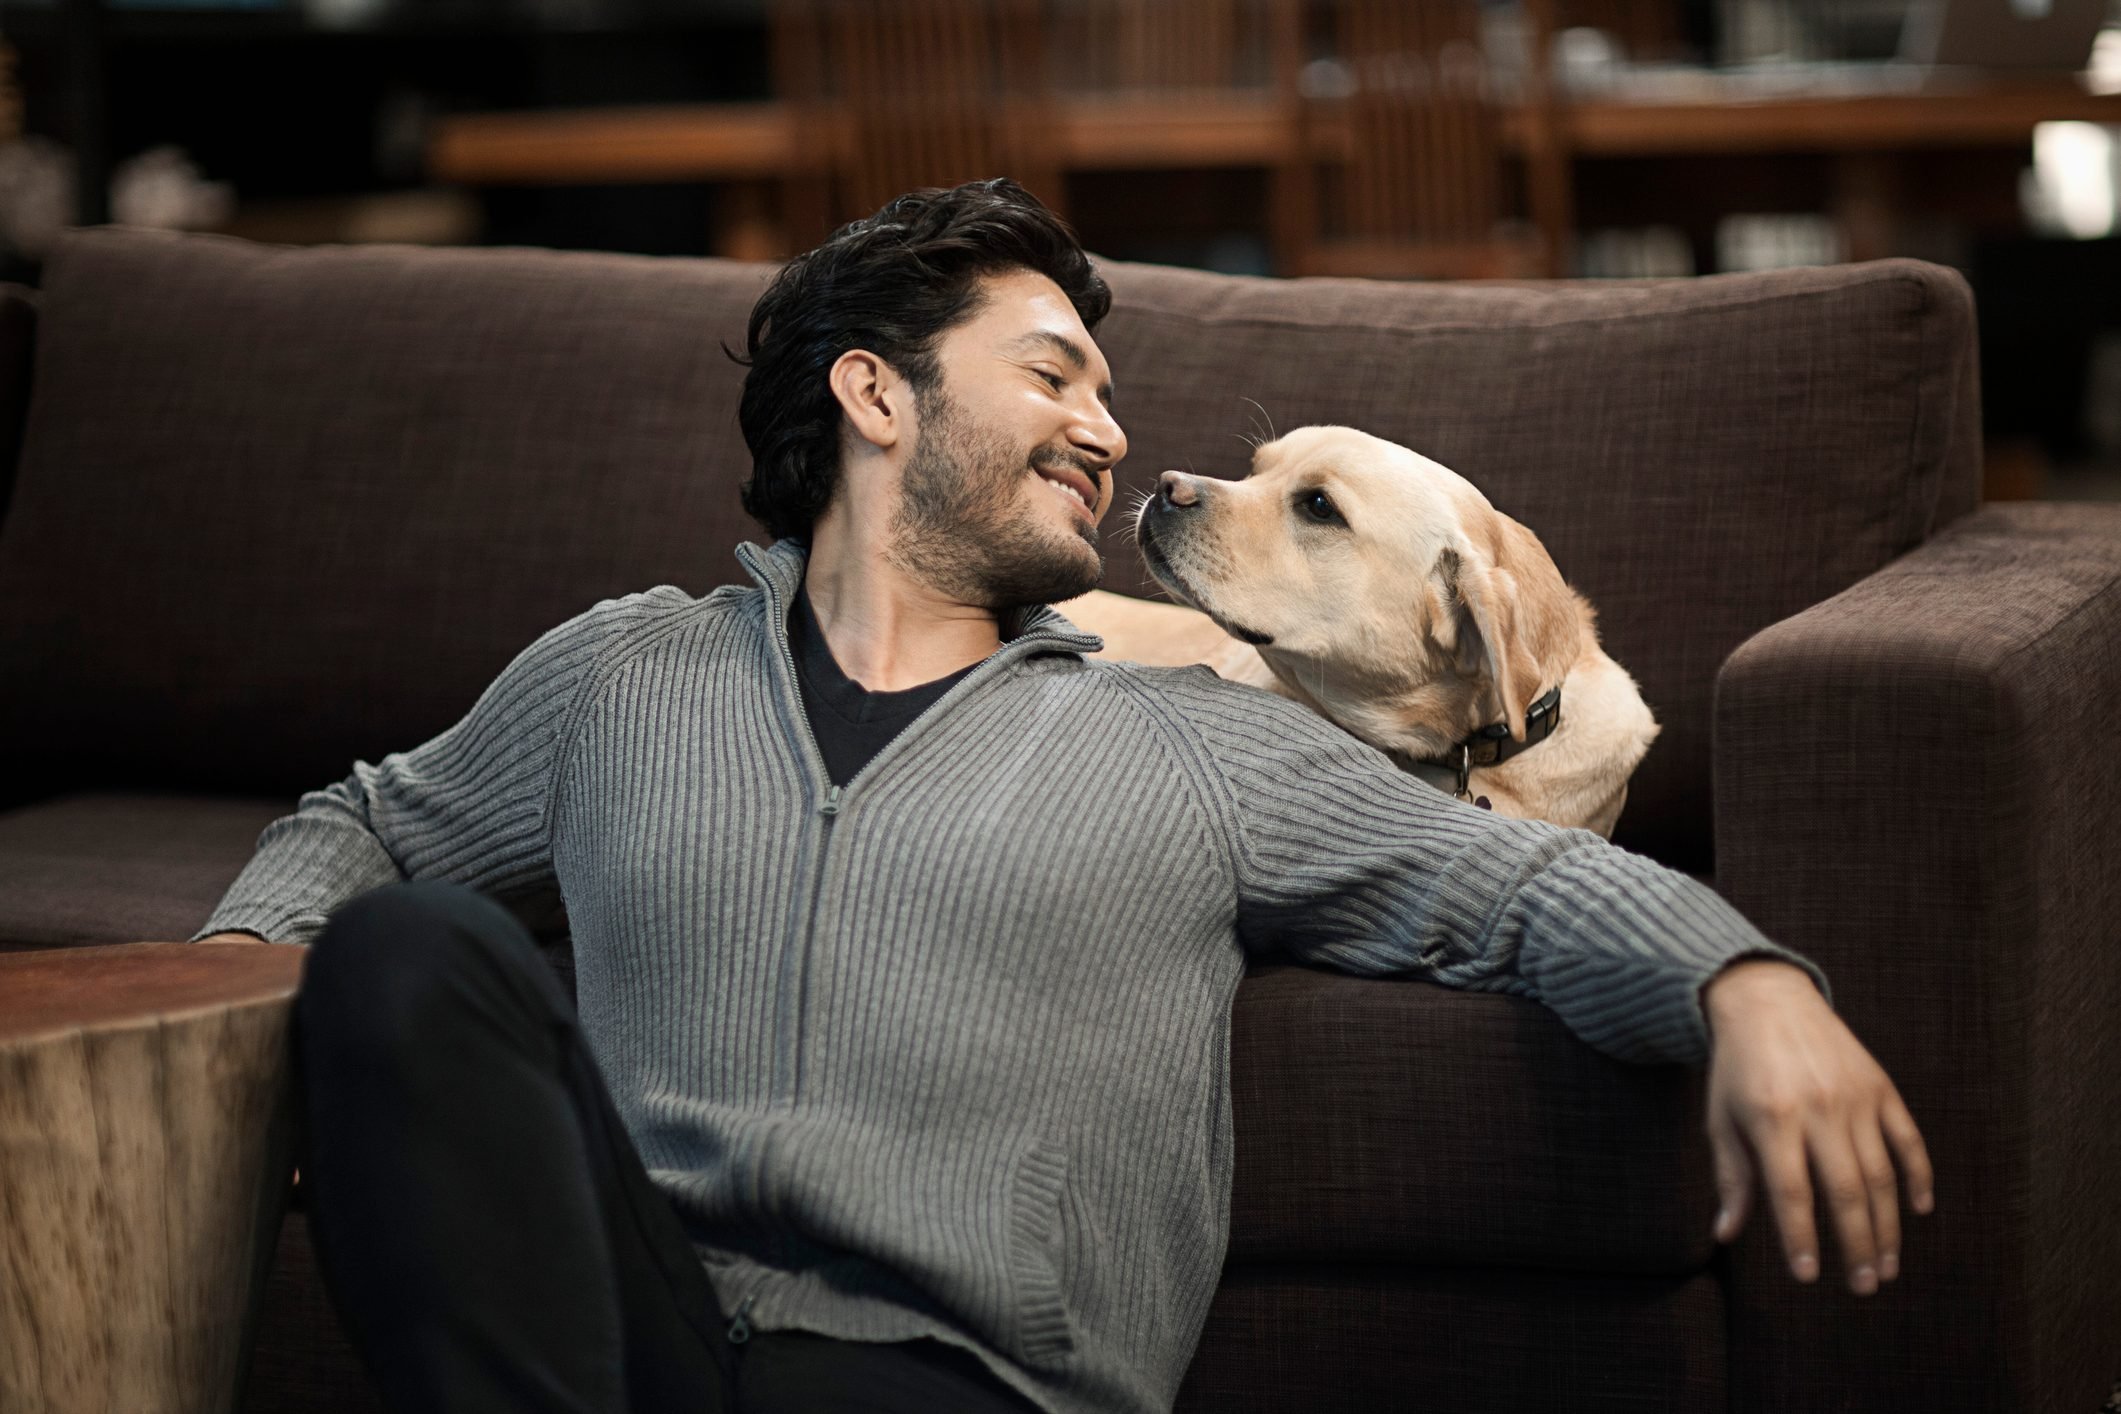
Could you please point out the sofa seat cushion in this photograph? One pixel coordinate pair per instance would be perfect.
(1382, 1120)
(1370, 1337)
(119, 868)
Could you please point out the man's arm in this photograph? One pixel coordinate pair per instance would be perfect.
(471, 805)
(1345, 861)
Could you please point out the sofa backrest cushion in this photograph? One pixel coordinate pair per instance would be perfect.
(1700, 457)
(279, 509)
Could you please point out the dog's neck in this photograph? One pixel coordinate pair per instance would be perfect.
(1580, 774)
(1407, 724)
(1235, 661)
(1490, 745)
(1603, 734)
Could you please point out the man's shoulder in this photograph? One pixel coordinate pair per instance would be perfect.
(1149, 677)
(1197, 690)
(661, 604)
(623, 624)
(1192, 680)
(646, 617)
(1244, 727)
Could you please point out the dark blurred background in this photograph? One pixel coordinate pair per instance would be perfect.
(1434, 139)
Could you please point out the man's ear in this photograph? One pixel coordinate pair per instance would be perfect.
(1483, 617)
(873, 397)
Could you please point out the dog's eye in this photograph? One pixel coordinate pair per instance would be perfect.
(1318, 506)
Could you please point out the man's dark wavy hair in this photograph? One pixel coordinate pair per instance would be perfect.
(891, 283)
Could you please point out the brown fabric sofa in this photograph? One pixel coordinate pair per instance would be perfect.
(278, 509)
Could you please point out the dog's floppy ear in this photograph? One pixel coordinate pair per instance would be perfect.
(1484, 612)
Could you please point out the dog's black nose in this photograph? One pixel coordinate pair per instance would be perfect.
(1174, 490)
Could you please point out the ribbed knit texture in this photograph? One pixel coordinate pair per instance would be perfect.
(946, 1053)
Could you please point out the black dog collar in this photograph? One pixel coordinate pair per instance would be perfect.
(1491, 745)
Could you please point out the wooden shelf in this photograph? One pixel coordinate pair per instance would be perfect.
(1223, 128)
(1989, 117)
(685, 142)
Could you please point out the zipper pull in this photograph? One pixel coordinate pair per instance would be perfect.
(739, 1328)
(832, 802)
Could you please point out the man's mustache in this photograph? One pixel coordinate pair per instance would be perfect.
(1046, 461)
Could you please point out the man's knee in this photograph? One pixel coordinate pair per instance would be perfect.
(391, 961)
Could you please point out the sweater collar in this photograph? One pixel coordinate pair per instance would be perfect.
(778, 569)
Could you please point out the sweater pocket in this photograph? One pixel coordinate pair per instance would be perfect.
(1043, 1336)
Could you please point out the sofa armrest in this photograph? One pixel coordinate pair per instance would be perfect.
(1918, 785)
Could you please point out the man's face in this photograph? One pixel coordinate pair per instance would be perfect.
(1012, 462)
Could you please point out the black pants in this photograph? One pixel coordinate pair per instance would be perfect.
(481, 1219)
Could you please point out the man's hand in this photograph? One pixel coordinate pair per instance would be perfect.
(229, 938)
(1788, 1081)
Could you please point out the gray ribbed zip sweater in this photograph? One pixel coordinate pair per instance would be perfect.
(945, 1053)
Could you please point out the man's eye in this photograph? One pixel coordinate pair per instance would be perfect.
(1318, 506)
(1055, 379)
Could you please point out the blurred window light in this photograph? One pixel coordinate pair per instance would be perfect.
(2103, 74)
(1586, 60)
(2069, 191)
(1778, 241)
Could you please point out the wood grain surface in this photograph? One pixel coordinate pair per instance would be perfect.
(145, 1149)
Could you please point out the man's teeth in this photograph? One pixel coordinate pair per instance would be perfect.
(1066, 490)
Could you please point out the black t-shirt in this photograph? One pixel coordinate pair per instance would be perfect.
(850, 722)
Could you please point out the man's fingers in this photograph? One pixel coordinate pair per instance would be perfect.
(1780, 1147)
(1734, 1174)
(1914, 1156)
(1879, 1179)
(1848, 1197)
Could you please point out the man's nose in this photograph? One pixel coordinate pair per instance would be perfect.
(1175, 489)
(1101, 437)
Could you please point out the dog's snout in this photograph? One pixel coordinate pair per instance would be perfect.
(1173, 489)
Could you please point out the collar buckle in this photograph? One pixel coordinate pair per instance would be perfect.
(1491, 745)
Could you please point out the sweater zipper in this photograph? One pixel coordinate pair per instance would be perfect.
(788, 1084)
(788, 1079)
(739, 1327)
(829, 808)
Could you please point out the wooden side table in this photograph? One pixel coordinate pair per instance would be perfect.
(146, 1107)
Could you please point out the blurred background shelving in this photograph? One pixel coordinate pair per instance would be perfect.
(1397, 138)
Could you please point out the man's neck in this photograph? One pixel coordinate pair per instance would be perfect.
(886, 630)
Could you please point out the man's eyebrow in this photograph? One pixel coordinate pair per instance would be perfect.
(1063, 345)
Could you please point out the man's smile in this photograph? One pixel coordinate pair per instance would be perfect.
(1072, 485)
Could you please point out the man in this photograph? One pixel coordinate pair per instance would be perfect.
(906, 937)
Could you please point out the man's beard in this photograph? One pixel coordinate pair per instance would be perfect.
(961, 527)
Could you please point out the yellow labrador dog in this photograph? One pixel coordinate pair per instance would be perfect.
(1382, 590)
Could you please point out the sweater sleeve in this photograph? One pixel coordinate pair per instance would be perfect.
(1345, 861)
(470, 806)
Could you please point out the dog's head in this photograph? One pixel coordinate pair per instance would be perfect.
(1378, 584)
